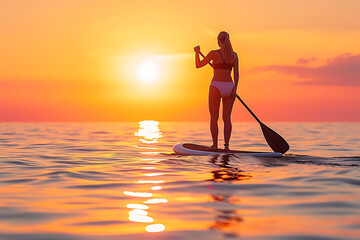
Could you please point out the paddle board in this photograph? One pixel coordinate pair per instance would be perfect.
(194, 149)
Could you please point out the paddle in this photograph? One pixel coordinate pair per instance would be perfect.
(274, 140)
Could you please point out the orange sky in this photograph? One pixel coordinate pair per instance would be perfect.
(76, 60)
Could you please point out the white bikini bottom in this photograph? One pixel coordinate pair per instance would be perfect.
(225, 88)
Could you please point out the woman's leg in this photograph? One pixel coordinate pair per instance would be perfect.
(214, 105)
(227, 109)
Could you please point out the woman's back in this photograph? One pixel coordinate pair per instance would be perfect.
(222, 69)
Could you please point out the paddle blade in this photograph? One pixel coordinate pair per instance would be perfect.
(275, 141)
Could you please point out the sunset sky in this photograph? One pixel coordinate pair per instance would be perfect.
(112, 60)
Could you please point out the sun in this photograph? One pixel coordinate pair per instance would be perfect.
(148, 71)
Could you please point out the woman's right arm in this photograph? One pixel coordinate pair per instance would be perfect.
(236, 71)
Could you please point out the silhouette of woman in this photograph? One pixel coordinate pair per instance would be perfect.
(222, 85)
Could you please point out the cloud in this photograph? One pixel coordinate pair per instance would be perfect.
(306, 60)
(343, 70)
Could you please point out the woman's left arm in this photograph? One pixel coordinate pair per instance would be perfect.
(200, 63)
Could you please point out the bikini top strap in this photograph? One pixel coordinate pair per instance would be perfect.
(221, 56)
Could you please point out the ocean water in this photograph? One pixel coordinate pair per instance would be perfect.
(85, 181)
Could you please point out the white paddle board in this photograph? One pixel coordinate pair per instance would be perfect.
(194, 149)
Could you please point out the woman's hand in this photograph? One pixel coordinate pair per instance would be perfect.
(197, 49)
(233, 92)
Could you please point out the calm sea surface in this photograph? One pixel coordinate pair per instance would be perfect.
(85, 181)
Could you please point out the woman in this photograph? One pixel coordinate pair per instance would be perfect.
(222, 85)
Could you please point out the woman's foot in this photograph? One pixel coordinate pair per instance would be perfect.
(213, 147)
(226, 147)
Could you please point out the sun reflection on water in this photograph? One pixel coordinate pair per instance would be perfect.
(138, 194)
(150, 181)
(153, 174)
(156, 200)
(139, 218)
(138, 212)
(149, 130)
(150, 133)
(155, 228)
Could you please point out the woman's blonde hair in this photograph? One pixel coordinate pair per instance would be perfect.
(229, 52)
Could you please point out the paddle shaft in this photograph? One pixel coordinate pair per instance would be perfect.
(243, 103)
